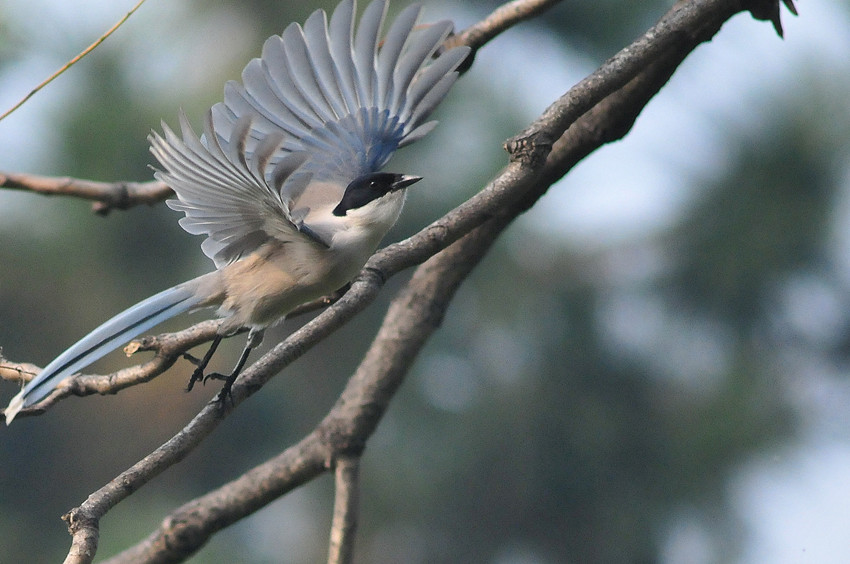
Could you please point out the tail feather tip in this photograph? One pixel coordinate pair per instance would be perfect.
(14, 407)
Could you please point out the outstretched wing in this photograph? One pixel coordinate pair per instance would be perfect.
(348, 99)
(231, 196)
(338, 101)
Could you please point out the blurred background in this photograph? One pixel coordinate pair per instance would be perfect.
(650, 366)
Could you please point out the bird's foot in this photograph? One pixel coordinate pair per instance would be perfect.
(226, 390)
(226, 393)
(197, 376)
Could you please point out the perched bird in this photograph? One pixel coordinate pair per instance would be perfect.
(285, 180)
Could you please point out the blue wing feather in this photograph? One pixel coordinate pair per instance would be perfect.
(340, 94)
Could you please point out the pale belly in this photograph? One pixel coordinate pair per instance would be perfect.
(261, 289)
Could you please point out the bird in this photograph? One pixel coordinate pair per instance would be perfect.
(285, 179)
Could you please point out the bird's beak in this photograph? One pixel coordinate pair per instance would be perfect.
(404, 180)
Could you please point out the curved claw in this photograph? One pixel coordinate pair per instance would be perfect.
(215, 376)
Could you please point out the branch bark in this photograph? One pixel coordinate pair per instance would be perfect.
(504, 17)
(106, 195)
(346, 506)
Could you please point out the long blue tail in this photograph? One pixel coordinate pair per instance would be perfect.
(104, 339)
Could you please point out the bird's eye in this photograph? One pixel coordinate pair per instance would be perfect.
(373, 184)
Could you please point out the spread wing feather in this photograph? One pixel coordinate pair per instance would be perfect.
(323, 102)
(336, 92)
(223, 190)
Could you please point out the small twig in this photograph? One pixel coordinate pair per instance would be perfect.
(346, 507)
(169, 348)
(107, 195)
(70, 63)
(502, 18)
(21, 372)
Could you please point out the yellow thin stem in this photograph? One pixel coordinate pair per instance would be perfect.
(70, 63)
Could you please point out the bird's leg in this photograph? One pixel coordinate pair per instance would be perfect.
(255, 337)
(230, 378)
(201, 364)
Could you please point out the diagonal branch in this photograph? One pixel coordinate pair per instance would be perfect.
(73, 61)
(413, 315)
(343, 432)
(682, 28)
(502, 18)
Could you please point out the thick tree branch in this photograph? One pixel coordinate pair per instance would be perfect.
(686, 25)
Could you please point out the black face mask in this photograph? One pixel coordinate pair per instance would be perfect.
(370, 187)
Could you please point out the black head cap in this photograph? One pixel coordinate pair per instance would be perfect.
(370, 187)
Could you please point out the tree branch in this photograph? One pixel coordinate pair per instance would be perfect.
(685, 26)
(343, 432)
(124, 195)
(346, 506)
(107, 195)
(612, 75)
(504, 17)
